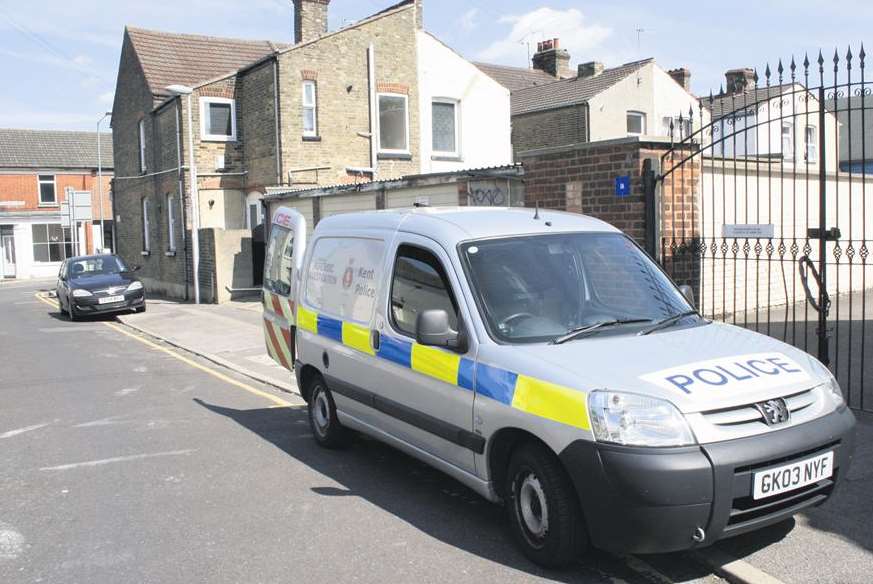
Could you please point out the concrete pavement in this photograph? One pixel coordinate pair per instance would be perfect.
(229, 334)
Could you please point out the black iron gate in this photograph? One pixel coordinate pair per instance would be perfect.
(767, 207)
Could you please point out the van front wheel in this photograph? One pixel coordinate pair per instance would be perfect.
(322, 416)
(544, 514)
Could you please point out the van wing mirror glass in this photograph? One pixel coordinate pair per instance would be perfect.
(432, 329)
(688, 293)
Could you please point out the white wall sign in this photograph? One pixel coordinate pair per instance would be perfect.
(745, 230)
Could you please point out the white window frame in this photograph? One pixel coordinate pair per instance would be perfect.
(405, 97)
(309, 106)
(260, 208)
(643, 125)
(171, 223)
(205, 102)
(787, 153)
(457, 105)
(146, 241)
(142, 145)
(810, 145)
(39, 183)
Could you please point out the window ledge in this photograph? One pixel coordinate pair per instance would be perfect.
(213, 138)
(394, 156)
(170, 253)
(48, 205)
(447, 158)
(312, 138)
(145, 253)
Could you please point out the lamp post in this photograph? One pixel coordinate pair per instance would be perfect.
(180, 90)
(100, 183)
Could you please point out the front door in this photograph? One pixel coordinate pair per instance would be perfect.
(7, 255)
(431, 387)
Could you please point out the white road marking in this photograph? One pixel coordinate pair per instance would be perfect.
(141, 369)
(12, 433)
(111, 421)
(11, 542)
(118, 459)
(126, 391)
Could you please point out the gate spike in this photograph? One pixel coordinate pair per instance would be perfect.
(836, 60)
(806, 60)
(820, 62)
(861, 55)
(767, 74)
(780, 68)
(793, 68)
(711, 98)
(849, 58)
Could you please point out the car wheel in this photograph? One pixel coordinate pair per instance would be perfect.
(61, 306)
(544, 514)
(73, 313)
(322, 416)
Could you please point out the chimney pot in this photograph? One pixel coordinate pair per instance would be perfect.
(738, 80)
(552, 59)
(682, 76)
(310, 19)
(589, 69)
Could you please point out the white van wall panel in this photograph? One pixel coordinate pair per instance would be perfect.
(302, 206)
(435, 196)
(338, 204)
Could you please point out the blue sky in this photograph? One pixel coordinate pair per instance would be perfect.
(59, 57)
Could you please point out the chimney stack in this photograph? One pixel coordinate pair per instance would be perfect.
(682, 76)
(419, 14)
(589, 69)
(310, 19)
(552, 59)
(739, 80)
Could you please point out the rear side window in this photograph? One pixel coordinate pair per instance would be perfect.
(419, 283)
(279, 261)
(343, 277)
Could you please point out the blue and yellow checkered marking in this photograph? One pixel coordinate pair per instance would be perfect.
(530, 395)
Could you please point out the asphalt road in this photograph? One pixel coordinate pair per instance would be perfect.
(122, 460)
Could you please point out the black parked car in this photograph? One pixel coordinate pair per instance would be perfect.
(98, 284)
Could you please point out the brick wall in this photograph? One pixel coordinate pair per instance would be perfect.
(557, 127)
(24, 187)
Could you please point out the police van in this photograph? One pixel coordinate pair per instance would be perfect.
(546, 362)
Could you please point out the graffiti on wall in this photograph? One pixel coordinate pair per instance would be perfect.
(488, 193)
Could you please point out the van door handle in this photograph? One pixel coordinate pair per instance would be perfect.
(375, 339)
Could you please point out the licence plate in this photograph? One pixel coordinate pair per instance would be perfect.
(110, 299)
(793, 476)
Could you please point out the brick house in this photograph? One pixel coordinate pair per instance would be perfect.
(554, 105)
(36, 168)
(380, 98)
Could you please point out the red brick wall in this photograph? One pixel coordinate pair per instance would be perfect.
(24, 187)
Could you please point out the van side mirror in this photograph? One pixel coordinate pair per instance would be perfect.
(688, 293)
(432, 329)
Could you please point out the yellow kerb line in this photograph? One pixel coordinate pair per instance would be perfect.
(253, 390)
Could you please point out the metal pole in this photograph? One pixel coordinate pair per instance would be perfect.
(100, 185)
(195, 204)
(823, 348)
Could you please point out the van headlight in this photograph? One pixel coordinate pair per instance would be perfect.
(636, 420)
(134, 286)
(81, 293)
(830, 386)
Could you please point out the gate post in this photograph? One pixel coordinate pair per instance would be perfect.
(652, 198)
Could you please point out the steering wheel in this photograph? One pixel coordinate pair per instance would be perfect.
(505, 322)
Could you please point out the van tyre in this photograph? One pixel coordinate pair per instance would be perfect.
(544, 514)
(326, 428)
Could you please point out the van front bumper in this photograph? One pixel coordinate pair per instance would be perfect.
(654, 500)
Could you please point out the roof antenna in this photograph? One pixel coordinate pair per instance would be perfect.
(537, 212)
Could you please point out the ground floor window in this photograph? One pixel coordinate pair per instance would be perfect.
(51, 242)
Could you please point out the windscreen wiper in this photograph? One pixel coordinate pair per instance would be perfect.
(583, 330)
(669, 321)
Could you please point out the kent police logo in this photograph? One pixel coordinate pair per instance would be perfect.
(754, 372)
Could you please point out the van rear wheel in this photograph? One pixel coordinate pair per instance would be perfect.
(544, 514)
(325, 426)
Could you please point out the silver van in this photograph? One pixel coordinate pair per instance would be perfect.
(545, 361)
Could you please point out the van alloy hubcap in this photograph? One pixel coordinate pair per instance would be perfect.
(321, 411)
(533, 506)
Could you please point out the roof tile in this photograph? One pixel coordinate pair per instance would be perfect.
(53, 149)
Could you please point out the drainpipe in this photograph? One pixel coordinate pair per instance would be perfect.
(182, 215)
(374, 126)
(278, 119)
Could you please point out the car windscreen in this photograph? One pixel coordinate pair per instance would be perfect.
(102, 266)
(536, 288)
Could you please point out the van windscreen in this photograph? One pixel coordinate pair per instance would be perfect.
(536, 288)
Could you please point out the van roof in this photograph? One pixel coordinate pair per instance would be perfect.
(454, 224)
